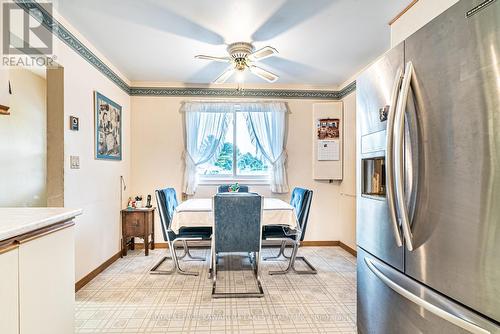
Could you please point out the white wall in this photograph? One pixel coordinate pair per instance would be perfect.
(420, 14)
(95, 187)
(157, 146)
(23, 151)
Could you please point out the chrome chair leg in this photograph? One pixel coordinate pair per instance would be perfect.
(255, 265)
(156, 271)
(179, 270)
(280, 253)
(291, 264)
(180, 257)
(176, 267)
(188, 253)
(311, 270)
(287, 256)
(289, 267)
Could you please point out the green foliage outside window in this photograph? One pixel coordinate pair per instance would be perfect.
(247, 163)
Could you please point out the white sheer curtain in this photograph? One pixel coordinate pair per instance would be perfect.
(206, 125)
(267, 126)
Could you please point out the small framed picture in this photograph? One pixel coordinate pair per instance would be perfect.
(328, 128)
(74, 123)
(108, 128)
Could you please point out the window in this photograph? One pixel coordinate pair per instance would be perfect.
(226, 141)
(237, 157)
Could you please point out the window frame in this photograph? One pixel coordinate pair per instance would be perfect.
(235, 177)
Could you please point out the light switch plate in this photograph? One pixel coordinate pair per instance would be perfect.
(74, 161)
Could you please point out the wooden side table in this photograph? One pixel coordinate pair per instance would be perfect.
(138, 223)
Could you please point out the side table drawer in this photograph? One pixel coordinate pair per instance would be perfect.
(134, 224)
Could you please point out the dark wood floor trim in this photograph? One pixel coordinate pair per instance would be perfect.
(348, 249)
(320, 243)
(90, 276)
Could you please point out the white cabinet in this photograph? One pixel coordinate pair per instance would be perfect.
(9, 323)
(46, 283)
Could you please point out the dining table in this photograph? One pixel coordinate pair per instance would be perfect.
(198, 212)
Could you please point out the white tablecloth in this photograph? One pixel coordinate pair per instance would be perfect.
(199, 213)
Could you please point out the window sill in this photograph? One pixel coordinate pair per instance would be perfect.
(244, 181)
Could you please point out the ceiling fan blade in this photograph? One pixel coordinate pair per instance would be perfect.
(263, 53)
(289, 15)
(221, 59)
(225, 75)
(264, 74)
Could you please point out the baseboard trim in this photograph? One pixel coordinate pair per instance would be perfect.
(348, 249)
(90, 276)
(157, 245)
(313, 243)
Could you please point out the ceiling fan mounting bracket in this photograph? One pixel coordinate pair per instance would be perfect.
(240, 50)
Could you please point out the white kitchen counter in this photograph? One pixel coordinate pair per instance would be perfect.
(18, 221)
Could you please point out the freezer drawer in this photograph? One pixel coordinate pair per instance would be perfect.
(391, 303)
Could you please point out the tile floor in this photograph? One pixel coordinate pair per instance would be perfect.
(125, 298)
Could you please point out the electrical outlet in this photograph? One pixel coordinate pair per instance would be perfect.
(74, 161)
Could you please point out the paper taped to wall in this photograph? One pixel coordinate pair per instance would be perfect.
(328, 150)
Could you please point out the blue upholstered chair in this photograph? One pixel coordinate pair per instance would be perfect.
(167, 202)
(301, 201)
(224, 188)
(237, 228)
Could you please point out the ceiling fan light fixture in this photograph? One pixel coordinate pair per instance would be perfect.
(240, 64)
(242, 56)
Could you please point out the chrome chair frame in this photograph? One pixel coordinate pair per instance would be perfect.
(254, 260)
(173, 254)
(295, 248)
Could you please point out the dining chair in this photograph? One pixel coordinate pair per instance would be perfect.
(167, 202)
(237, 228)
(224, 188)
(301, 201)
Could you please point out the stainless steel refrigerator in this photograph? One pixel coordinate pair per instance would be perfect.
(428, 171)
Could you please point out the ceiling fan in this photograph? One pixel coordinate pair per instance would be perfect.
(241, 57)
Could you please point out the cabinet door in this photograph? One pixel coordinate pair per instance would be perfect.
(9, 321)
(47, 284)
(134, 224)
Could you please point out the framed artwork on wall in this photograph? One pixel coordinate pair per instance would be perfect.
(108, 128)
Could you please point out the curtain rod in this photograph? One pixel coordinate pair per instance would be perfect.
(235, 101)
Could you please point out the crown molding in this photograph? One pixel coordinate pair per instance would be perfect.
(58, 29)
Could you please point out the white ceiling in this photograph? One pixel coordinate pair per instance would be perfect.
(320, 42)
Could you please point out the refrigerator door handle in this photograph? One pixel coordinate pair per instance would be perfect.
(445, 312)
(399, 128)
(391, 198)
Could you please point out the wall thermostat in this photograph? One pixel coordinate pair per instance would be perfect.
(74, 123)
